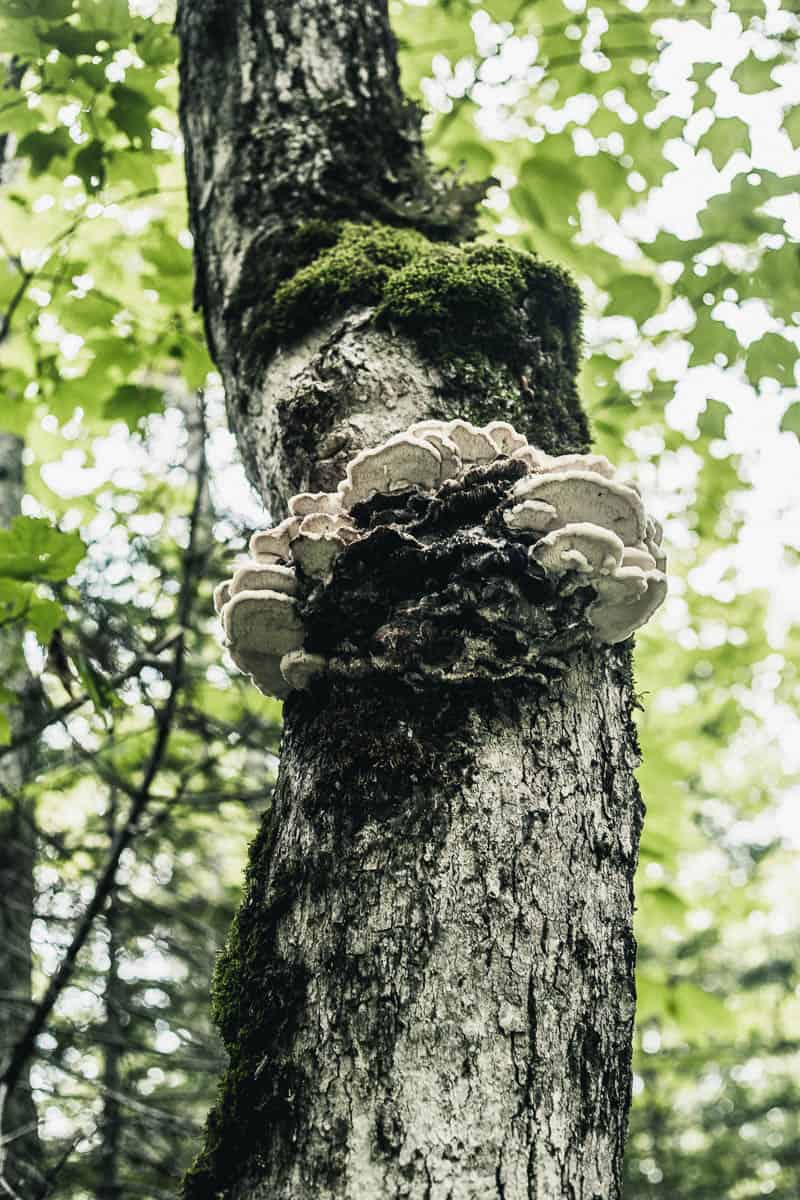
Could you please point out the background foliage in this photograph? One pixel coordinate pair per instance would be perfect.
(653, 149)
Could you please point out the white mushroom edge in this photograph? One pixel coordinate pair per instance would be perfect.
(591, 525)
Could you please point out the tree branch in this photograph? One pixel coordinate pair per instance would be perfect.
(66, 710)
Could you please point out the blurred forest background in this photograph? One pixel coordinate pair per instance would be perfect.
(654, 149)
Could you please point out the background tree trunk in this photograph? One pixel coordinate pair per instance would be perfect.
(113, 1037)
(21, 1152)
(429, 989)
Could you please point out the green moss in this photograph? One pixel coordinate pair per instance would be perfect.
(474, 297)
(226, 986)
(502, 326)
(353, 270)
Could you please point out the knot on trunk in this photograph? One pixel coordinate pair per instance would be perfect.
(449, 555)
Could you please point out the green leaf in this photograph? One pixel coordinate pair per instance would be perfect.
(664, 904)
(19, 37)
(698, 1011)
(133, 169)
(88, 315)
(48, 10)
(113, 15)
(72, 41)
(7, 699)
(732, 216)
(776, 280)
(157, 46)
(636, 296)
(791, 123)
(90, 165)
(130, 403)
(41, 148)
(15, 412)
(32, 548)
(771, 356)
(166, 254)
(474, 157)
(667, 247)
(752, 75)
(20, 602)
(97, 689)
(130, 112)
(194, 358)
(548, 190)
(15, 116)
(705, 96)
(44, 617)
(709, 338)
(790, 421)
(608, 180)
(724, 138)
(712, 420)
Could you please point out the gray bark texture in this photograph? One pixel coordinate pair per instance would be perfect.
(429, 989)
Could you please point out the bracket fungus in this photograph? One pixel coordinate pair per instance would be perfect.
(255, 576)
(308, 504)
(582, 547)
(505, 437)
(270, 545)
(474, 445)
(262, 622)
(402, 461)
(452, 554)
(579, 495)
(532, 516)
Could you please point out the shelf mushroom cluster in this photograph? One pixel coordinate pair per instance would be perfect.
(580, 521)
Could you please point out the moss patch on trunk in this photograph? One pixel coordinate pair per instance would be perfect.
(492, 319)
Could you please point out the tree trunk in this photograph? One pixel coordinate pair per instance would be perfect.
(429, 989)
(20, 1148)
(113, 1041)
(20, 1154)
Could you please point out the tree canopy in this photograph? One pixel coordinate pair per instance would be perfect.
(654, 151)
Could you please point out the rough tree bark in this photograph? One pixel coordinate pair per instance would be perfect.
(429, 988)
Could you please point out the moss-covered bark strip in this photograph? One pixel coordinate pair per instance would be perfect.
(483, 304)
